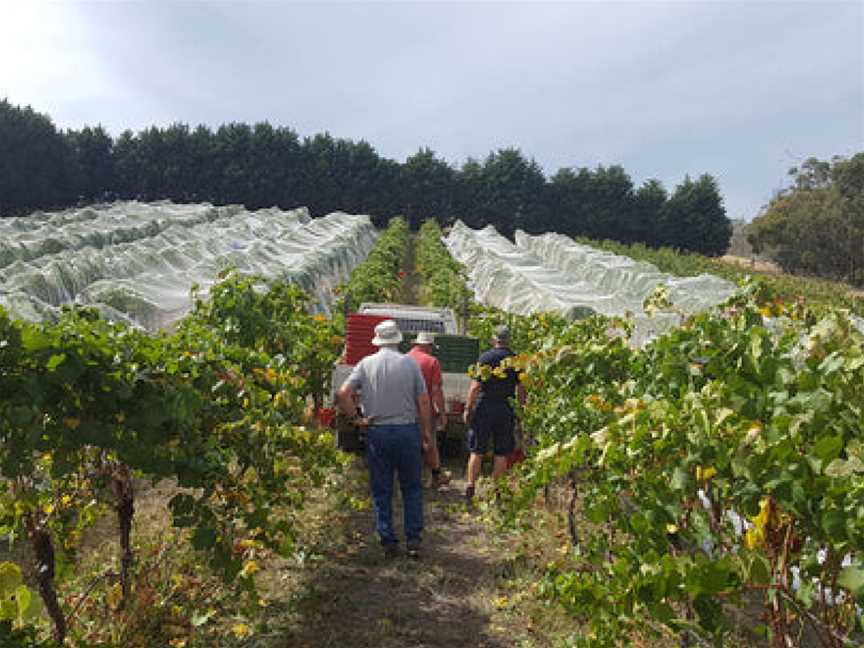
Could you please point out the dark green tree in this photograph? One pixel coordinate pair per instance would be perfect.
(232, 156)
(93, 162)
(469, 192)
(36, 163)
(648, 203)
(205, 175)
(178, 165)
(427, 188)
(128, 168)
(262, 165)
(694, 219)
(358, 174)
(508, 193)
(569, 200)
(608, 212)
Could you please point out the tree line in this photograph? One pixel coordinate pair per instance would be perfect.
(816, 226)
(263, 165)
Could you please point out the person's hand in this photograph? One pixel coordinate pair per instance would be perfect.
(442, 421)
(466, 416)
(361, 421)
(427, 440)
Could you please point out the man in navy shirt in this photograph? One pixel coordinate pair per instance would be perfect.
(489, 412)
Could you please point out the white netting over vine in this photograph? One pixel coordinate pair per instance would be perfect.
(553, 273)
(137, 261)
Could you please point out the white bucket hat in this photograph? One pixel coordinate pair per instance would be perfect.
(425, 337)
(387, 332)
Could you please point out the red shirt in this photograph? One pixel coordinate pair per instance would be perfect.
(429, 367)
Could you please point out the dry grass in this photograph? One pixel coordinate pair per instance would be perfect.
(754, 265)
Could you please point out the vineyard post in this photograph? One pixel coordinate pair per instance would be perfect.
(571, 509)
(464, 320)
(124, 498)
(43, 552)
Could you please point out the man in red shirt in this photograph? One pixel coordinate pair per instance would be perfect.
(431, 370)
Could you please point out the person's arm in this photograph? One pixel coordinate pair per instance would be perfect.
(471, 400)
(347, 394)
(521, 394)
(438, 402)
(345, 402)
(436, 394)
(424, 409)
(424, 406)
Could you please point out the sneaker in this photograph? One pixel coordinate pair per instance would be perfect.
(469, 493)
(413, 549)
(391, 550)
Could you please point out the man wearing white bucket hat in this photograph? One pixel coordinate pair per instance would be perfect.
(431, 370)
(392, 394)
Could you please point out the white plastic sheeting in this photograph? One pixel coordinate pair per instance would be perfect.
(553, 273)
(137, 261)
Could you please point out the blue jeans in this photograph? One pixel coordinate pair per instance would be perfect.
(396, 448)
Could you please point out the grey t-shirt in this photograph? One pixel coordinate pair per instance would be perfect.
(389, 384)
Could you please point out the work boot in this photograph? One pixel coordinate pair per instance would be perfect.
(391, 550)
(469, 493)
(413, 549)
(440, 478)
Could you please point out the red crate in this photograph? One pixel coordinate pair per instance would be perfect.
(360, 329)
(325, 416)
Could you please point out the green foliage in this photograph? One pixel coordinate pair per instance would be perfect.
(709, 465)
(443, 278)
(694, 218)
(35, 162)
(217, 405)
(428, 187)
(18, 605)
(378, 278)
(599, 203)
(272, 316)
(816, 227)
(507, 191)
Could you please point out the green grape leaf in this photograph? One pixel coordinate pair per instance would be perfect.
(852, 578)
(10, 578)
(29, 606)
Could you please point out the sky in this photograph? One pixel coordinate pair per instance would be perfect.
(740, 90)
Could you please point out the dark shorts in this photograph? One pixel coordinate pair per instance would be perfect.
(492, 421)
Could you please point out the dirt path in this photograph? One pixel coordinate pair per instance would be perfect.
(347, 594)
(351, 595)
(344, 593)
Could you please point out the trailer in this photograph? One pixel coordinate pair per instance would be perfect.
(455, 352)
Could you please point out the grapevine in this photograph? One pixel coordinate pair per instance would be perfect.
(217, 405)
(378, 278)
(721, 465)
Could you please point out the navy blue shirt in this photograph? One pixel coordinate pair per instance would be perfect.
(496, 389)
